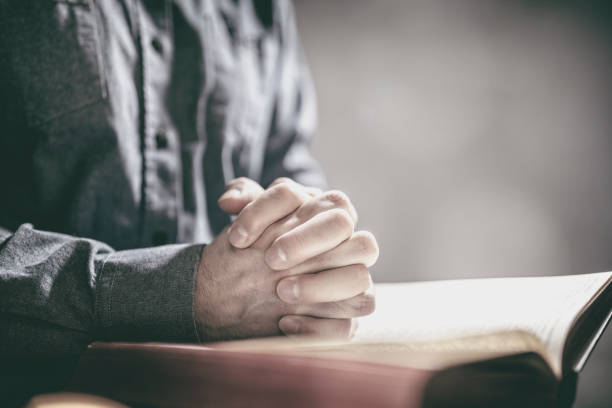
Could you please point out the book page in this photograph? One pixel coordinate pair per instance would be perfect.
(430, 314)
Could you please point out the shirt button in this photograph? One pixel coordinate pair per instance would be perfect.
(160, 238)
(157, 45)
(161, 140)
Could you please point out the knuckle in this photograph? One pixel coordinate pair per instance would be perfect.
(240, 180)
(365, 241)
(365, 305)
(279, 190)
(366, 244)
(281, 180)
(337, 198)
(284, 192)
(342, 219)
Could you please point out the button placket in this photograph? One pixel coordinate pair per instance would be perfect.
(162, 174)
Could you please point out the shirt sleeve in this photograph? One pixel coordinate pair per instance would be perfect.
(58, 293)
(294, 122)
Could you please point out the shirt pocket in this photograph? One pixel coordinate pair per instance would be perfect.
(54, 55)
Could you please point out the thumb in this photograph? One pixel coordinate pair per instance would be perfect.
(238, 193)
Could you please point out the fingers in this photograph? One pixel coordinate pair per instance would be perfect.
(357, 306)
(327, 286)
(319, 234)
(317, 204)
(360, 248)
(271, 205)
(311, 326)
(327, 201)
(312, 191)
(239, 192)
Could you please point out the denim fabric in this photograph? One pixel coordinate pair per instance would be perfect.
(120, 123)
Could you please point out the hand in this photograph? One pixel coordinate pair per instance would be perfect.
(243, 191)
(245, 300)
(263, 207)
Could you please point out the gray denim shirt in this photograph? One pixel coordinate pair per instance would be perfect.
(120, 123)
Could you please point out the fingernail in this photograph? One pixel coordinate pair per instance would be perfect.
(289, 325)
(276, 258)
(238, 235)
(288, 290)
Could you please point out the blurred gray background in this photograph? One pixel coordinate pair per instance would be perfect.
(473, 136)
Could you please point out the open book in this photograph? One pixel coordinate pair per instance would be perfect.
(477, 342)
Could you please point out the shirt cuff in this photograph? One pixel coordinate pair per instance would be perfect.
(147, 294)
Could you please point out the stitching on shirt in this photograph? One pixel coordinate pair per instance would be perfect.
(110, 289)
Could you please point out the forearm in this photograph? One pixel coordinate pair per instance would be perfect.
(58, 293)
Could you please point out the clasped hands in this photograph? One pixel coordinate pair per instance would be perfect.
(290, 263)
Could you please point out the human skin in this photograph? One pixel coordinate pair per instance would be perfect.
(290, 263)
